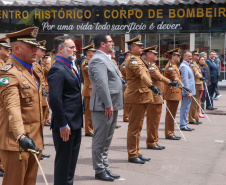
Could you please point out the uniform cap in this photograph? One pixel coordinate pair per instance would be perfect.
(151, 49)
(27, 35)
(53, 51)
(174, 51)
(89, 48)
(126, 53)
(195, 52)
(5, 42)
(47, 55)
(135, 40)
(42, 45)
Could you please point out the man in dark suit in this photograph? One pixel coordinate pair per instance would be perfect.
(66, 103)
(213, 79)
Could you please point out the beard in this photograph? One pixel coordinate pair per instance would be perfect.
(69, 57)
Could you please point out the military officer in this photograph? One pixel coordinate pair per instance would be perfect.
(154, 109)
(193, 116)
(4, 55)
(123, 72)
(171, 94)
(38, 68)
(87, 88)
(21, 110)
(4, 51)
(137, 95)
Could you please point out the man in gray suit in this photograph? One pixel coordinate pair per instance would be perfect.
(105, 101)
(188, 79)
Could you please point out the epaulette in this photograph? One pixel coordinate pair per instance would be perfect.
(6, 67)
(132, 56)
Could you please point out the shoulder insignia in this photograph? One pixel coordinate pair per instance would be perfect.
(86, 66)
(134, 62)
(170, 64)
(123, 67)
(192, 64)
(151, 68)
(6, 67)
(86, 62)
(4, 80)
(132, 56)
(170, 69)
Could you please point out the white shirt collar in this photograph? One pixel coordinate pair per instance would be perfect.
(109, 56)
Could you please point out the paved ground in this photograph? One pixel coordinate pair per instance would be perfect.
(201, 160)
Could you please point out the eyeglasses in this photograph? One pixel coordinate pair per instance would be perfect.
(110, 41)
(71, 47)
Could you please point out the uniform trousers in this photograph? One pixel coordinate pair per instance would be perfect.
(125, 110)
(1, 165)
(88, 118)
(194, 109)
(169, 122)
(136, 118)
(66, 156)
(45, 114)
(153, 119)
(103, 133)
(184, 110)
(19, 172)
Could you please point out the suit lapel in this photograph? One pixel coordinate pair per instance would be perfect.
(111, 62)
(70, 72)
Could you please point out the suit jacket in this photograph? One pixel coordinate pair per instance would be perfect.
(172, 72)
(20, 106)
(106, 83)
(187, 77)
(213, 71)
(138, 80)
(87, 87)
(157, 79)
(65, 97)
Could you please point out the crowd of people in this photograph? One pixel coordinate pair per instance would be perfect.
(36, 86)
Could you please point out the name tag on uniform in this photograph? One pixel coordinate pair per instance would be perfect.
(27, 87)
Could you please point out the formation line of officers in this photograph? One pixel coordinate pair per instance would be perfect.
(24, 109)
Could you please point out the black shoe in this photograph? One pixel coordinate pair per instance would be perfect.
(1, 174)
(174, 137)
(90, 135)
(199, 122)
(194, 123)
(186, 129)
(136, 160)
(126, 120)
(156, 147)
(190, 128)
(144, 158)
(115, 176)
(46, 155)
(48, 124)
(214, 108)
(41, 158)
(103, 176)
(2, 170)
(117, 126)
(210, 108)
(163, 147)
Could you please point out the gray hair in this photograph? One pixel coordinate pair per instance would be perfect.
(202, 53)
